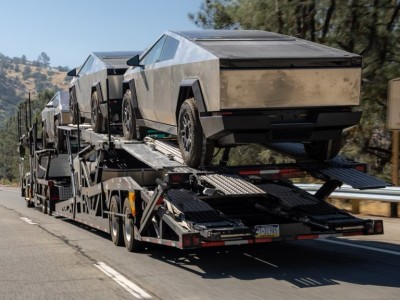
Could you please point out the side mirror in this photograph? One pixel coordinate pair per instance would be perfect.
(134, 61)
(72, 73)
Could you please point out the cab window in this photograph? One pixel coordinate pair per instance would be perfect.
(56, 101)
(169, 49)
(87, 65)
(153, 55)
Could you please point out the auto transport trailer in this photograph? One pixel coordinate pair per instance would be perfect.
(141, 192)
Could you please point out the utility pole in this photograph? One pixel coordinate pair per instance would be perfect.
(393, 124)
(395, 168)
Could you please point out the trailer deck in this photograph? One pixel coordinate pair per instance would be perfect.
(140, 191)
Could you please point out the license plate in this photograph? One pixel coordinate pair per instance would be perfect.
(267, 231)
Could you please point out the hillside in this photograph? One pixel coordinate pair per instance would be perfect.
(18, 77)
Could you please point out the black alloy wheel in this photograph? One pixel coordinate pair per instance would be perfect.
(96, 117)
(191, 136)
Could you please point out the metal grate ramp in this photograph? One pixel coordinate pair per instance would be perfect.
(231, 184)
(299, 200)
(294, 150)
(194, 209)
(354, 178)
(151, 157)
(338, 168)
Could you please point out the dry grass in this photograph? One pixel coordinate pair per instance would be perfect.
(56, 78)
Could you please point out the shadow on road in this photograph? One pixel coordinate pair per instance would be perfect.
(304, 264)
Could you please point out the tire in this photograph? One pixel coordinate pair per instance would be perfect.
(29, 203)
(115, 222)
(191, 137)
(44, 206)
(73, 108)
(96, 118)
(49, 207)
(44, 137)
(323, 150)
(58, 138)
(130, 128)
(129, 229)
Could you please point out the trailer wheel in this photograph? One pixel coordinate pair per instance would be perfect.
(96, 117)
(323, 150)
(29, 203)
(130, 127)
(44, 206)
(115, 222)
(49, 207)
(129, 229)
(191, 137)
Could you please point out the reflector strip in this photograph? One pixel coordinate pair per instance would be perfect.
(271, 172)
(307, 237)
(353, 233)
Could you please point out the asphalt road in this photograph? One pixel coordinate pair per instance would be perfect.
(44, 257)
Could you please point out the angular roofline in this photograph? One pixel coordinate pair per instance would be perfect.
(242, 35)
(114, 54)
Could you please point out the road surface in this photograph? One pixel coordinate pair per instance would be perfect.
(44, 257)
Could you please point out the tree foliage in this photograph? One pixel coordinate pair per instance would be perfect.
(366, 27)
(9, 162)
(43, 60)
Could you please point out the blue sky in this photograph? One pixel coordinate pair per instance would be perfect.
(68, 30)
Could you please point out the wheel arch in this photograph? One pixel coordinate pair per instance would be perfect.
(97, 88)
(190, 88)
(131, 86)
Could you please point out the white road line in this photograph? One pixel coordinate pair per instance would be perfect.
(29, 221)
(259, 259)
(361, 246)
(128, 285)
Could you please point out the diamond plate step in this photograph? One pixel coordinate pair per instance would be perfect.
(231, 184)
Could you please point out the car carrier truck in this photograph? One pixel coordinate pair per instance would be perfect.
(141, 192)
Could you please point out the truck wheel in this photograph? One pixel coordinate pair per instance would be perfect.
(129, 229)
(115, 222)
(58, 138)
(130, 127)
(73, 109)
(323, 150)
(29, 203)
(96, 117)
(190, 135)
(44, 137)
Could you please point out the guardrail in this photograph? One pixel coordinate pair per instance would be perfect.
(388, 194)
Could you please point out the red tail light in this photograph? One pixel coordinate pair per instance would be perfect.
(361, 168)
(191, 241)
(378, 226)
(186, 241)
